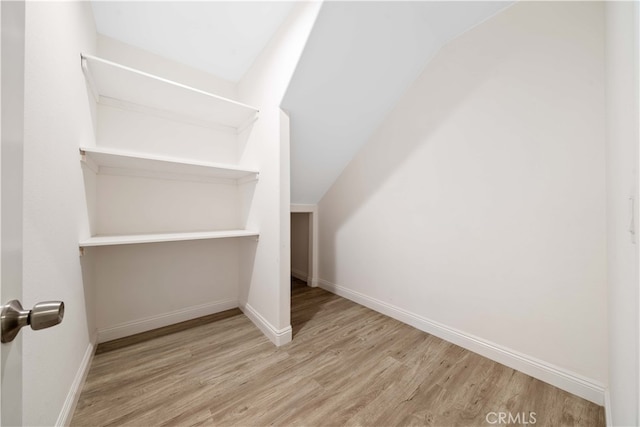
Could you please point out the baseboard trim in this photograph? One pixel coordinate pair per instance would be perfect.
(566, 380)
(277, 336)
(154, 322)
(70, 403)
(300, 275)
(608, 416)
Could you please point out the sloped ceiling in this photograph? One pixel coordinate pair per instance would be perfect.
(360, 57)
(358, 61)
(220, 37)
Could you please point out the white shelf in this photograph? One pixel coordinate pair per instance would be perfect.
(115, 84)
(102, 160)
(132, 239)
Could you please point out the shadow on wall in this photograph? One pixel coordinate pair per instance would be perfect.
(442, 88)
(439, 90)
(247, 248)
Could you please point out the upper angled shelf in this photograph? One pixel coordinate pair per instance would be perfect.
(114, 83)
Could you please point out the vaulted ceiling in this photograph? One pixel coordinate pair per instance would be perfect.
(360, 58)
(220, 37)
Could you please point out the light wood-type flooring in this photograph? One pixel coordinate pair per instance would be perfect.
(347, 365)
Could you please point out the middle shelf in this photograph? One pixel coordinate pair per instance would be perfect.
(102, 160)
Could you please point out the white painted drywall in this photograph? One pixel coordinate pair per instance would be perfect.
(265, 288)
(146, 286)
(622, 184)
(360, 58)
(58, 118)
(300, 245)
(130, 205)
(139, 58)
(285, 192)
(479, 203)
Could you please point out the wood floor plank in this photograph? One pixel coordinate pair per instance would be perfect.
(347, 365)
(167, 330)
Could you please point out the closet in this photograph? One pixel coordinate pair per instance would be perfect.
(166, 197)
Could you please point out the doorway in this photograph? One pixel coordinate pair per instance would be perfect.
(300, 246)
(304, 261)
(304, 243)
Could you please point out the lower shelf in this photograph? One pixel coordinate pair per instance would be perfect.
(130, 239)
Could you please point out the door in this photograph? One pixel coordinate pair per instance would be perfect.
(12, 20)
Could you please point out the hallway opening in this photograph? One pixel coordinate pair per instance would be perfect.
(301, 250)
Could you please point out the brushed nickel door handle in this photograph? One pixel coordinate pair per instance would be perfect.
(43, 315)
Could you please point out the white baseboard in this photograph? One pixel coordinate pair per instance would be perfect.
(607, 409)
(300, 275)
(69, 407)
(277, 336)
(165, 319)
(554, 375)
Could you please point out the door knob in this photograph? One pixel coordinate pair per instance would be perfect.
(43, 315)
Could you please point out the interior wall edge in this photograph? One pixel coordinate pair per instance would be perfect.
(564, 379)
(266, 287)
(622, 125)
(277, 336)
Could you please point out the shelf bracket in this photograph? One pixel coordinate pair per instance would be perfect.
(81, 251)
(92, 84)
(87, 161)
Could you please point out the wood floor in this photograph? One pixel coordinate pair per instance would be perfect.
(347, 365)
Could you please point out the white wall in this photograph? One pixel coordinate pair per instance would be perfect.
(134, 57)
(165, 206)
(622, 165)
(300, 245)
(57, 119)
(265, 289)
(142, 287)
(477, 209)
